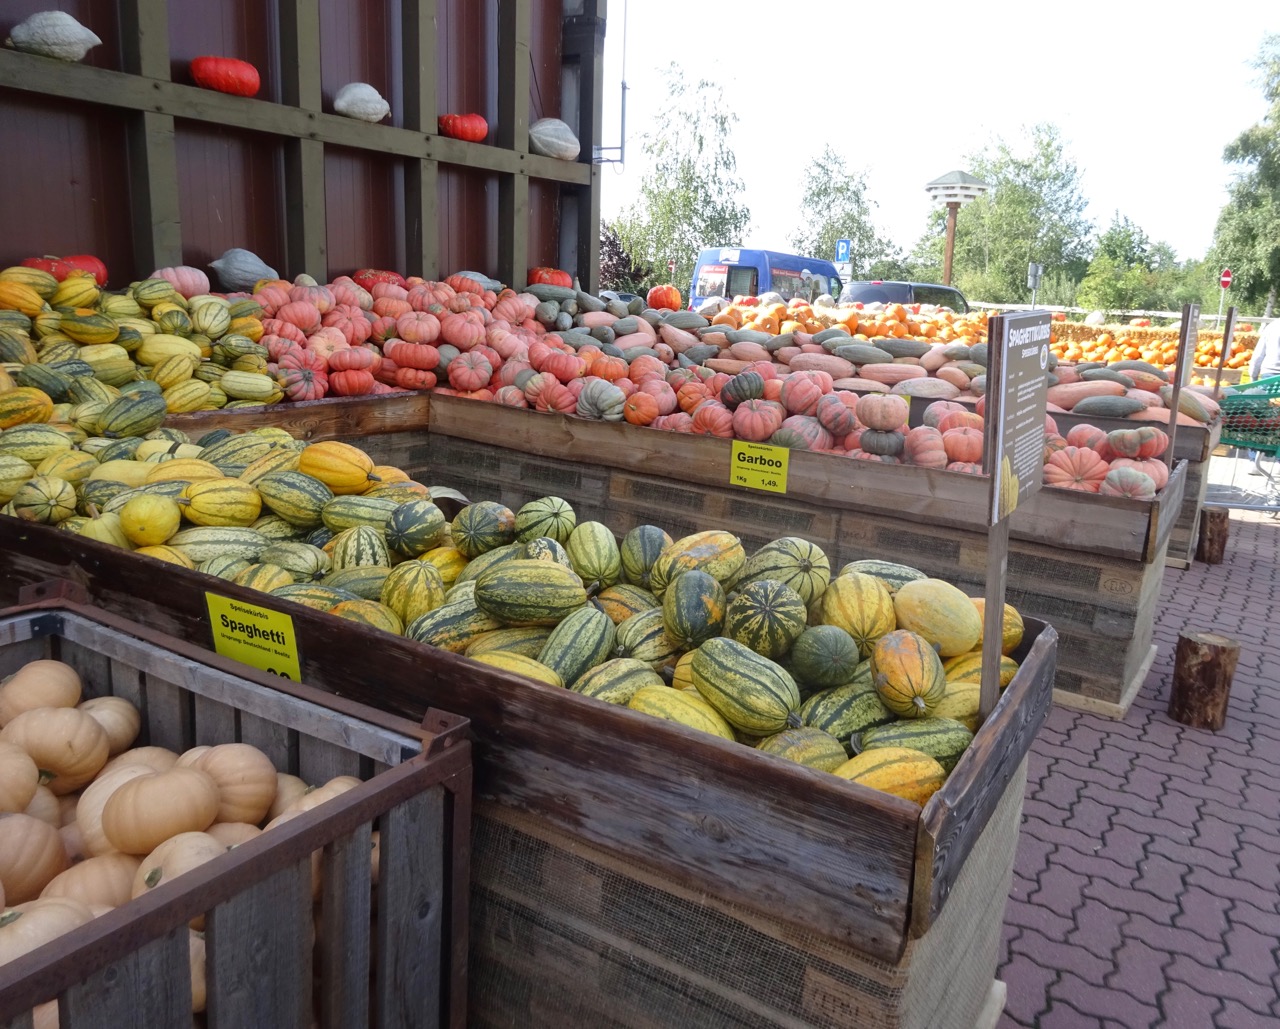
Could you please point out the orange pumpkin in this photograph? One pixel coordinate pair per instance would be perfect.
(147, 810)
(1076, 468)
(31, 854)
(885, 412)
(245, 779)
(38, 684)
(67, 744)
(963, 445)
(664, 298)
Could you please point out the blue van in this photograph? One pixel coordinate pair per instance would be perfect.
(731, 271)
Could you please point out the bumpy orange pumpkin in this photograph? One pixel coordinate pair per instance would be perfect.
(665, 297)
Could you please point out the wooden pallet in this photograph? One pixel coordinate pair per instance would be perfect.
(129, 966)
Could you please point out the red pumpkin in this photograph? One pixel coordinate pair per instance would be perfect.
(303, 383)
(550, 276)
(471, 127)
(412, 355)
(756, 420)
(810, 430)
(664, 298)
(645, 367)
(1151, 466)
(61, 267)
(800, 394)
(1077, 468)
(510, 396)
(352, 358)
(461, 331)
(419, 378)
(367, 278)
(662, 393)
(301, 314)
(301, 358)
(924, 448)
(350, 321)
(836, 412)
(1128, 482)
(1085, 435)
(469, 372)
(959, 420)
(271, 299)
(963, 445)
(677, 421)
(354, 382)
(640, 408)
(556, 398)
(565, 367)
(934, 413)
(885, 412)
(226, 75)
(712, 418)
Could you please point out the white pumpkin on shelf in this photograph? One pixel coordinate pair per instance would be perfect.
(240, 269)
(360, 100)
(53, 34)
(551, 137)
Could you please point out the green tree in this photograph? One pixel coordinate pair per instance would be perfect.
(689, 197)
(618, 269)
(834, 206)
(1034, 211)
(1125, 243)
(1248, 231)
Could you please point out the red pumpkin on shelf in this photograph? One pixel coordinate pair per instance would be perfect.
(470, 127)
(665, 297)
(226, 75)
(367, 278)
(550, 276)
(61, 267)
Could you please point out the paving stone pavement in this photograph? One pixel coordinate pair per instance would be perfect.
(1146, 889)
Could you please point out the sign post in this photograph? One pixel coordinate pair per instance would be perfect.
(1013, 459)
(671, 267)
(1188, 336)
(1228, 331)
(842, 251)
(1225, 282)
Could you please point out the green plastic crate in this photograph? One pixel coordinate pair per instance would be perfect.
(1251, 416)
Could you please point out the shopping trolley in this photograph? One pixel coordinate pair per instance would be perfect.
(1251, 421)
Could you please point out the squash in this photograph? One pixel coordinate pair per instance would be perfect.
(693, 609)
(861, 606)
(105, 879)
(939, 612)
(157, 759)
(26, 927)
(1075, 468)
(807, 746)
(68, 745)
(1119, 482)
(53, 34)
(31, 854)
(19, 778)
(640, 549)
(1012, 625)
(752, 693)
(149, 809)
(584, 639)
(481, 527)
(551, 137)
(594, 554)
(289, 790)
(232, 834)
(910, 774)
(792, 561)
(361, 101)
(341, 467)
(825, 656)
(907, 673)
(682, 707)
(529, 592)
(245, 779)
(173, 857)
(120, 720)
(41, 683)
(767, 616)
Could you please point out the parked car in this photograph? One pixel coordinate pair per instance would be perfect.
(875, 291)
(727, 272)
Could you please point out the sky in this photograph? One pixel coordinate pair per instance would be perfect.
(1145, 95)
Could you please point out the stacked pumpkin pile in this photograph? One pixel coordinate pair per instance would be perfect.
(89, 822)
(1109, 344)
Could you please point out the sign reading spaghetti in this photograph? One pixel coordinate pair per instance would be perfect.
(254, 636)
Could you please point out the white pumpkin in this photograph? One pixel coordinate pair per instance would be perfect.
(53, 34)
(551, 137)
(360, 100)
(240, 269)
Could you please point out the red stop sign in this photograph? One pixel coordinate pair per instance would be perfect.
(1226, 278)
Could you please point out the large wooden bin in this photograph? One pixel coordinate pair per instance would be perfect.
(391, 956)
(848, 882)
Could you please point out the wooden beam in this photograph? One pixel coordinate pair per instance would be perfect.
(514, 30)
(87, 84)
(583, 47)
(304, 209)
(155, 210)
(422, 253)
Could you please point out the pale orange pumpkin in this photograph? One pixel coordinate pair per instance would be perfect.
(246, 781)
(72, 843)
(106, 879)
(196, 958)
(191, 758)
(38, 684)
(45, 806)
(31, 854)
(27, 926)
(119, 719)
(94, 799)
(158, 759)
(174, 857)
(144, 812)
(289, 789)
(68, 745)
(67, 808)
(19, 778)
(232, 834)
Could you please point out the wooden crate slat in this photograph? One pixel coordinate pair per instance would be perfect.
(14, 655)
(277, 741)
(94, 669)
(344, 945)
(168, 715)
(150, 987)
(258, 953)
(319, 761)
(411, 891)
(215, 722)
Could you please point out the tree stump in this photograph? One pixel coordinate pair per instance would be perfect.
(1215, 523)
(1203, 668)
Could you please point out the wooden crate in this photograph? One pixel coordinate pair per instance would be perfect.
(743, 830)
(1186, 530)
(406, 967)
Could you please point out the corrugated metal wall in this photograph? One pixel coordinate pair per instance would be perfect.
(67, 163)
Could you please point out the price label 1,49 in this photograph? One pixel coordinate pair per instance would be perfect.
(255, 636)
(759, 466)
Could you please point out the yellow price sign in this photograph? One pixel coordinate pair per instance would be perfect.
(759, 466)
(254, 636)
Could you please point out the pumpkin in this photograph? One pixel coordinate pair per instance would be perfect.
(549, 276)
(601, 400)
(907, 673)
(67, 744)
(26, 927)
(640, 408)
(106, 879)
(1119, 482)
(41, 683)
(471, 127)
(469, 371)
(19, 778)
(171, 858)
(934, 413)
(664, 298)
(157, 759)
(550, 137)
(119, 719)
(923, 446)
(149, 809)
(53, 34)
(836, 412)
(1151, 466)
(960, 420)
(31, 854)
(756, 420)
(361, 101)
(46, 807)
(245, 779)
(1138, 444)
(963, 444)
(1077, 468)
(232, 834)
(885, 412)
(226, 75)
(289, 790)
(713, 419)
(800, 394)
(93, 799)
(188, 281)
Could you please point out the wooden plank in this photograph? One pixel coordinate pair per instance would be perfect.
(14, 655)
(87, 84)
(258, 953)
(149, 986)
(514, 27)
(129, 683)
(421, 203)
(343, 947)
(168, 715)
(955, 816)
(314, 420)
(277, 741)
(305, 222)
(94, 668)
(1117, 709)
(215, 722)
(319, 761)
(583, 52)
(411, 895)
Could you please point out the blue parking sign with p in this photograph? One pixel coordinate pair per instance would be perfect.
(842, 250)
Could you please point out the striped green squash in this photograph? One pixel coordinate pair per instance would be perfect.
(223, 567)
(791, 560)
(371, 613)
(365, 581)
(298, 498)
(593, 552)
(907, 673)
(547, 516)
(718, 554)
(453, 627)
(524, 592)
(133, 415)
(846, 711)
(644, 637)
(272, 526)
(681, 707)
(902, 771)
(202, 542)
(413, 588)
(460, 591)
(544, 548)
(768, 616)
(524, 639)
(481, 527)
(303, 561)
(640, 549)
(806, 746)
(892, 575)
(33, 443)
(234, 454)
(98, 492)
(314, 595)
(263, 577)
(361, 545)
(755, 695)
(584, 639)
(350, 510)
(824, 656)
(617, 680)
(622, 601)
(478, 566)
(119, 450)
(943, 739)
(415, 527)
(693, 609)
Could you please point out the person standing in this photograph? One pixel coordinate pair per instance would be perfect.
(1266, 354)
